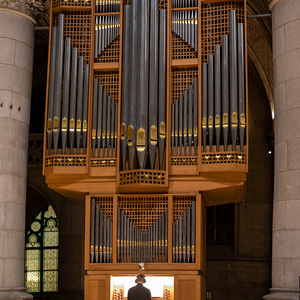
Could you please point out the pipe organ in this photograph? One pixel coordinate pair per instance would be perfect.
(146, 122)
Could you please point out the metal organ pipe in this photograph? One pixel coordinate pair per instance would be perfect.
(65, 89)
(224, 92)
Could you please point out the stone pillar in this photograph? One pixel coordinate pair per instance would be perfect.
(16, 63)
(286, 211)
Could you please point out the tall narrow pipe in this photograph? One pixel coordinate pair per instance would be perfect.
(180, 112)
(66, 93)
(159, 238)
(233, 78)
(188, 233)
(92, 255)
(73, 98)
(104, 114)
(177, 241)
(204, 105)
(225, 89)
(166, 235)
(51, 89)
(193, 229)
(99, 47)
(173, 243)
(153, 82)
(118, 234)
(109, 30)
(173, 128)
(102, 35)
(189, 29)
(112, 127)
(79, 103)
(101, 236)
(142, 100)
(104, 249)
(108, 129)
(190, 118)
(97, 234)
(241, 93)
(185, 119)
(180, 239)
(58, 80)
(195, 116)
(94, 121)
(176, 125)
(116, 128)
(217, 94)
(134, 82)
(196, 30)
(110, 241)
(184, 238)
(210, 100)
(125, 238)
(96, 37)
(121, 236)
(105, 31)
(85, 106)
(125, 84)
(192, 29)
(162, 86)
(99, 119)
(128, 240)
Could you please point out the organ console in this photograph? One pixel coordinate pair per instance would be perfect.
(146, 123)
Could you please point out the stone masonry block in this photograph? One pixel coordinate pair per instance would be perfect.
(24, 57)
(16, 26)
(281, 150)
(288, 187)
(280, 100)
(15, 218)
(21, 109)
(278, 42)
(285, 11)
(7, 51)
(286, 243)
(279, 215)
(14, 272)
(292, 40)
(286, 66)
(292, 93)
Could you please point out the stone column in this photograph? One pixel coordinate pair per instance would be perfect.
(286, 212)
(16, 63)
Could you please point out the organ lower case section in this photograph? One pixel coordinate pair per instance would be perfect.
(158, 235)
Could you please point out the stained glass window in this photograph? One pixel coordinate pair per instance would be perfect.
(41, 257)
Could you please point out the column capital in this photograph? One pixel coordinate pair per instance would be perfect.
(271, 5)
(35, 9)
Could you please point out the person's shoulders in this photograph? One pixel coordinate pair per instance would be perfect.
(146, 289)
(132, 288)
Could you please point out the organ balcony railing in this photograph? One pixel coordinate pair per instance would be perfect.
(146, 96)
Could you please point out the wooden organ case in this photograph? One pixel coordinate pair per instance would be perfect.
(147, 123)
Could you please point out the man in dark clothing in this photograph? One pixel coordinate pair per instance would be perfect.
(139, 292)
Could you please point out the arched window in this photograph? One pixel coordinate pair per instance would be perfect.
(41, 253)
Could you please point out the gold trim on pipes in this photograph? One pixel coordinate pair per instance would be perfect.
(217, 121)
(234, 119)
(141, 140)
(153, 135)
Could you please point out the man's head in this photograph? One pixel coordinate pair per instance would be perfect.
(140, 278)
